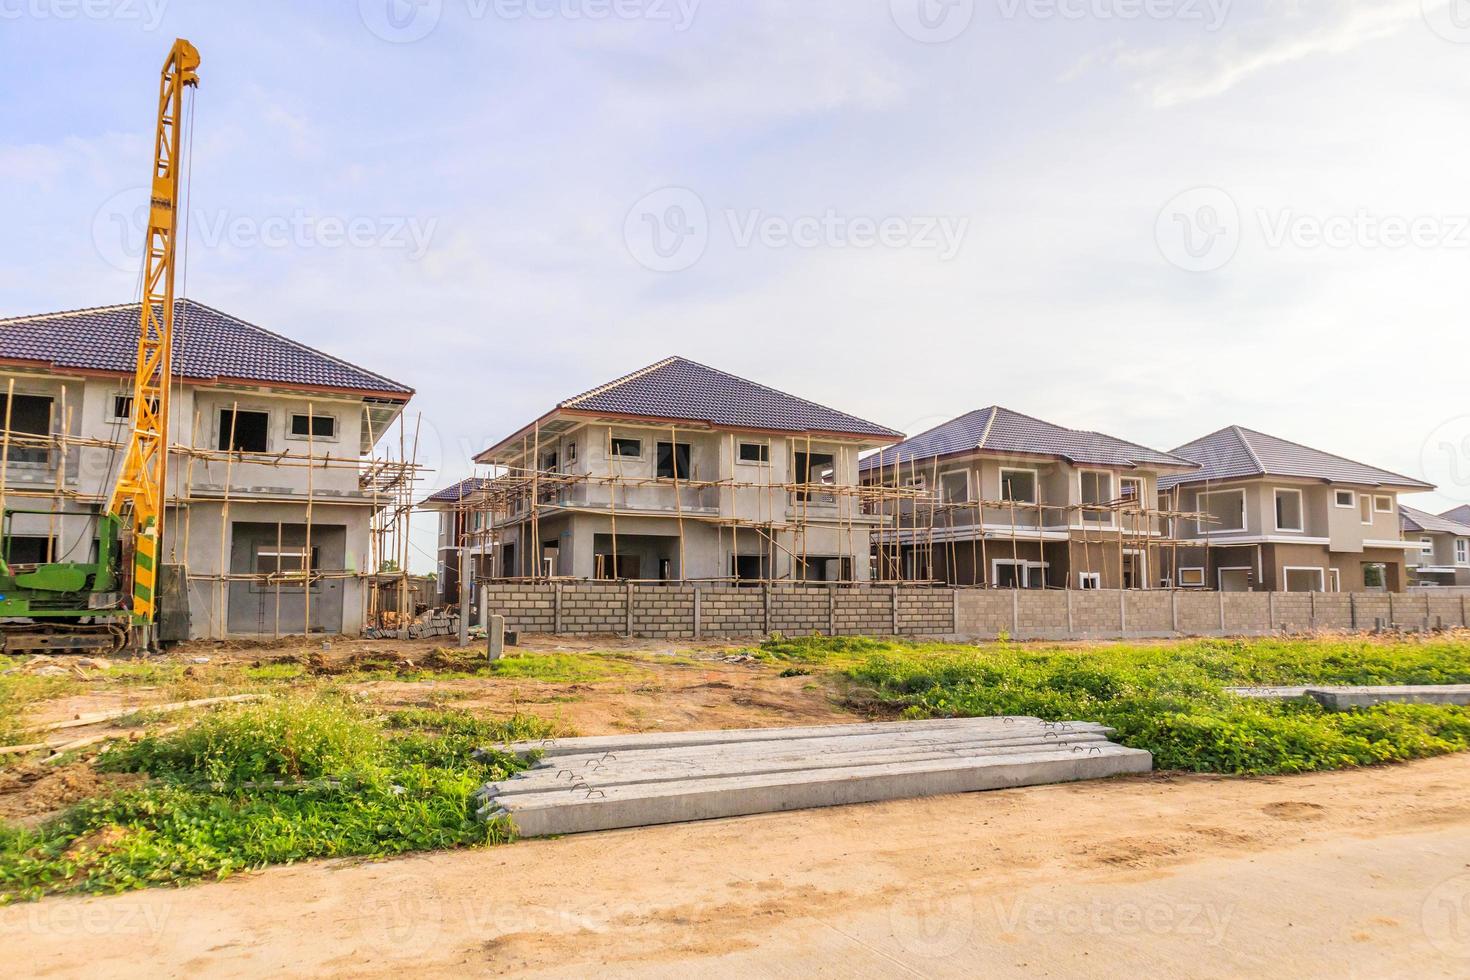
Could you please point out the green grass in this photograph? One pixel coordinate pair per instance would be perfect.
(356, 784)
(1170, 699)
(562, 668)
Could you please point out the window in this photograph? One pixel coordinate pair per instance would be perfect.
(122, 408)
(1191, 578)
(29, 550)
(755, 452)
(954, 486)
(1426, 547)
(1097, 488)
(1089, 581)
(1226, 509)
(1383, 505)
(1365, 509)
(30, 415)
(244, 432)
(673, 461)
(550, 461)
(1018, 486)
(1132, 488)
(1345, 499)
(815, 468)
(1462, 551)
(315, 426)
(1289, 511)
(571, 453)
(627, 448)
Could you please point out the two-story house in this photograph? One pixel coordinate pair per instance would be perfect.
(1018, 502)
(266, 481)
(464, 521)
(1443, 553)
(1279, 516)
(677, 472)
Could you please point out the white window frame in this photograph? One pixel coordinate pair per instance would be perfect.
(1286, 571)
(763, 456)
(969, 495)
(1335, 576)
(1352, 497)
(1426, 547)
(1301, 509)
(613, 447)
(569, 452)
(1249, 570)
(1185, 576)
(1365, 499)
(1023, 565)
(1089, 581)
(1200, 506)
(1035, 485)
(1462, 551)
(1139, 481)
(295, 414)
(1382, 505)
(1110, 517)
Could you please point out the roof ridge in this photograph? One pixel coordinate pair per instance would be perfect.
(107, 308)
(634, 376)
(1250, 450)
(1323, 452)
(995, 411)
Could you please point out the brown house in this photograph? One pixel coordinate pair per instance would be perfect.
(1285, 517)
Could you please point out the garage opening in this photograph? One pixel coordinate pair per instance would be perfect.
(1305, 580)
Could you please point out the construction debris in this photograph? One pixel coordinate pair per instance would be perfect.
(589, 784)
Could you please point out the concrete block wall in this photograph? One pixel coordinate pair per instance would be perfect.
(689, 611)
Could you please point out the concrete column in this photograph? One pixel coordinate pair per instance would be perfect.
(628, 601)
(556, 614)
(698, 614)
(1070, 627)
(1313, 625)
(766, 613)
(1271, 610)
(495, 638)
(1122, 610)
(485, 605)
(1464, 611)
(1174, 610)
(831, 610)
(464, 597)
(893, 605)
(1391, 617)
(1221, 596)
(1353, 609)
(1015, 614)
(954, 613)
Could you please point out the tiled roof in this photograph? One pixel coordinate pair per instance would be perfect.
(1460, 515)
(208, 345)
(1237, 452)
(460, 491)
(1418, 520)
(1001, 431)
(676, 388)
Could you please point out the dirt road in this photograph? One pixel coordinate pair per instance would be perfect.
(1362, 873)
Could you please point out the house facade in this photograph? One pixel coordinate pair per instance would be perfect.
(676, 472)
(1280, 516)
(1443, 553)
(247, 508)
(1017, 502)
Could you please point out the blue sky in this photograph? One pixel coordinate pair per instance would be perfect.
(1152, 218)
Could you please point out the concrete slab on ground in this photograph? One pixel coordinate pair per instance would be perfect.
(631, 781)
(1346, 698)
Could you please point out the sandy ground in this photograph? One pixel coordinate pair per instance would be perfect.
(1360, 873)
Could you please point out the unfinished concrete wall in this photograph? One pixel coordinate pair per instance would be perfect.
(690, 612)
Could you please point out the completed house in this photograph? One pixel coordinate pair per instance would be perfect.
(1443, 553)
(1279, 516)
(247, 521)
(682, 472)
(1022, 503)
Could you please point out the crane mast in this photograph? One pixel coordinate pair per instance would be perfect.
(139, 496)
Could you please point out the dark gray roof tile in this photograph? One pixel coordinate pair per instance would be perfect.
(1235, 452)
(1418, 520)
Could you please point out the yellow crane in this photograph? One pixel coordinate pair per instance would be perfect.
(75, 606)
(139, 495)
